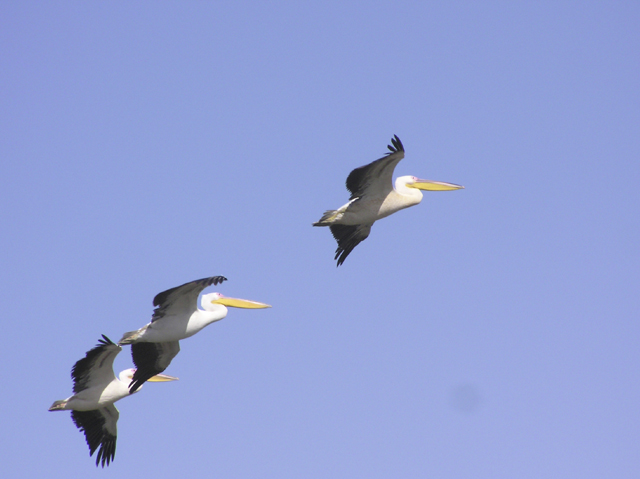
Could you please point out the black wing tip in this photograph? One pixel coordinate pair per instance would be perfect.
(397, 145)
(218, 279)
(342, 253)
(135, 385)
(107, 452)
(105, 341)
(141, 374)
(138, 380)
(140, 377)
(211, 281)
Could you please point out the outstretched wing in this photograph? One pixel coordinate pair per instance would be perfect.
(182, 300)
(151, 359)
(96, 368)
(100, 429)
(376, 177)
(348, 237)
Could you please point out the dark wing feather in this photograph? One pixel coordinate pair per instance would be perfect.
(182, 297)
(151, 359)
(96, 362)
(382, 169)
(348, 237)
(100, 430)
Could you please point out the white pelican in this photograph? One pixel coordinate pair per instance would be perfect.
(373, 197)
(177, 317)
(96, 388)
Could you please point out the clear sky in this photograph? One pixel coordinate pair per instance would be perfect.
(490, 332)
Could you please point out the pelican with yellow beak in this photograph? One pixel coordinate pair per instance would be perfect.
(177, 317)
(373, 197)
(95, 389)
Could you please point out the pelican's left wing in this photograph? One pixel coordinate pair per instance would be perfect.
(348, 237)
(100, 429)
(151, 359)
(182, 300)
(96, 367)
(376, 178)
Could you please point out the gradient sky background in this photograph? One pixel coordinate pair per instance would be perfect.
(491, 332)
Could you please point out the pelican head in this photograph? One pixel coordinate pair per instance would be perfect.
(211, 300)
(126, 377)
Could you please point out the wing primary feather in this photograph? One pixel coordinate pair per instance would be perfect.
(104, 341)
(397, 145)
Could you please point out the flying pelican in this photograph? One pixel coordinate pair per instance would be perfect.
(373, 197)
(177, 317)
(96, 388)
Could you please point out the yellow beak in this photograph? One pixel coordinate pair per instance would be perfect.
(429, 185)
(161, 378)
(240, 303)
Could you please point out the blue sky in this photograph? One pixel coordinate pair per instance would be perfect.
(488, 332)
